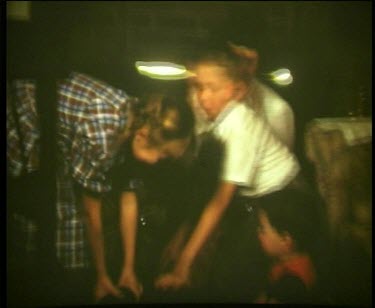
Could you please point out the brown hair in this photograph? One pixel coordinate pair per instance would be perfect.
(168, 116)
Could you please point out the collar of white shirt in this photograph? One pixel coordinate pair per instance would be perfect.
(222, 115)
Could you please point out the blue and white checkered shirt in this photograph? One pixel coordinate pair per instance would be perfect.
(23, 144)
(91, 114)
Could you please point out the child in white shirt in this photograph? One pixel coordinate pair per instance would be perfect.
(255, 162)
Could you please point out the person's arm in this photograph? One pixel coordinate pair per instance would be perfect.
(128, 225)
(208, 221)
(104, 285)
(174, 247)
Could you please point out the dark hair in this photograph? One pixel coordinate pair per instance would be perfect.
(293, 212)
(167, 113)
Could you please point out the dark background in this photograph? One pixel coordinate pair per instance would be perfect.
(326, 45)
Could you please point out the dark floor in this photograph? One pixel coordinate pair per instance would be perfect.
(37, 280)
(346, 279)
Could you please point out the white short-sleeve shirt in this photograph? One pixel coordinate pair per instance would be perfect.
(272, 107)
(254, 159)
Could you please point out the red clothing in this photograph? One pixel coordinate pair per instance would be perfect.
(300, 266)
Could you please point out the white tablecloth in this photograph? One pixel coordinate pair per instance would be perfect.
(355, 130)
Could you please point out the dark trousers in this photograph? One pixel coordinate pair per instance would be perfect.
(239, 266)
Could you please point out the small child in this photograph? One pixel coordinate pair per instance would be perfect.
(285, 232)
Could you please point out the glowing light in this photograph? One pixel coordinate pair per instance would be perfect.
(162, 70)
(282, 77)
(284, 81)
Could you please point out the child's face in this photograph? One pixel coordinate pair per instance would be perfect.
(214, 89)
(144, 152)
(273, 243)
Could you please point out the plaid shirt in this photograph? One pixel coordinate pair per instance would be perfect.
(22, 145)
(91, 114)
(22, 154)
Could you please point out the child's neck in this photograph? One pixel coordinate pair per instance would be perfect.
(289, 256)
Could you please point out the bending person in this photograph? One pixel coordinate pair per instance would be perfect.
(97, 125)
(255, 162)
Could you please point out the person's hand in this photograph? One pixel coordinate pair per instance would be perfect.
(104, 287)
(244, 51)
(173, 280)
(173, 250)
(248, 53)
(129, 280)
(261, 299)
